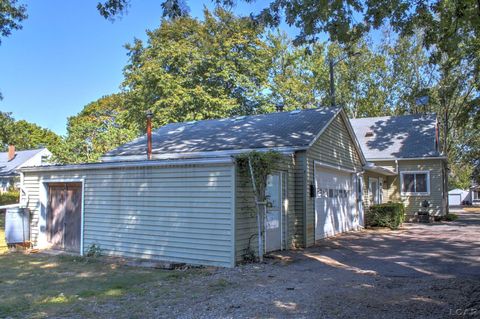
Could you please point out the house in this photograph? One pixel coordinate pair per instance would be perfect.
(12, 161)
(414, 171)
(475, 195)
(457, 197)
(186, 200)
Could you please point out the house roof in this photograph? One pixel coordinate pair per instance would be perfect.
(296, 129)
(396, 137)
(8, 168)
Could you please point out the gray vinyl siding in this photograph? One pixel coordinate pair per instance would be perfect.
(245, 217)
(335, 147)
(413, 203)
(175, 213)
(300, 198)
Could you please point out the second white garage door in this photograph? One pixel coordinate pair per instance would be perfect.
(335, 211)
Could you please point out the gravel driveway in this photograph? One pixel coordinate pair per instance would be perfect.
(421, 271)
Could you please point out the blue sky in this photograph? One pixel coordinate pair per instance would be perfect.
(67, 55)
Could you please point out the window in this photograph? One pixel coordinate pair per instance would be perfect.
(476, 195)
(415, 183)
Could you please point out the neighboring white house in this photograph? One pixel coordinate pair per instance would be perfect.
(475, 195)
(457, 196)
(13, 160)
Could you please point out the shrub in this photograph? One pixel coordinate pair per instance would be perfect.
(390, 215)
(450, 217)
(94, 250)
(11, 197)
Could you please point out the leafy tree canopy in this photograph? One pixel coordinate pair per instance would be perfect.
(193, 70)
(25, 135)
(100, 127)
(11, 15)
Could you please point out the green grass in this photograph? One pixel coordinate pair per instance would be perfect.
(450, 217)
(3, 243)
(38, 286)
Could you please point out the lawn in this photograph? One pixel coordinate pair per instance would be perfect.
(3, 243)
(38, 286)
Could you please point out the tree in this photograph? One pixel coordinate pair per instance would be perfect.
(294, 75)
(192, 70)
(6, 129)
(27, 135)
(11, 15)
(100, 127)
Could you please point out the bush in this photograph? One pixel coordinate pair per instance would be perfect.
(94, 250)
(450, 217)
(11, 197)
(390, 215)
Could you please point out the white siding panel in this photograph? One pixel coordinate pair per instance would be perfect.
(177, 213)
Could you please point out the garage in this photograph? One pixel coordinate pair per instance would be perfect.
(180, 212)
(454, 199)
(334, 209)
(64, 216)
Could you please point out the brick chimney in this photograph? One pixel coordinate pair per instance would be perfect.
(11, 152)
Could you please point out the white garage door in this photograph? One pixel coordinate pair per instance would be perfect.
(335, 211)
(454, 199)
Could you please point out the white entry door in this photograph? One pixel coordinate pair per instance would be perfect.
(374, 190)
(334, 203)
(273, 229)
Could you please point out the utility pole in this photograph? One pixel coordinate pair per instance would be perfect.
(331, 65)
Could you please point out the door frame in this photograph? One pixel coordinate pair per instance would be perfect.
(281, 175)
(42, 241)
(370, 192)
(330, 167)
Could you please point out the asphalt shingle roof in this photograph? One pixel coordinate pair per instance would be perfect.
(407, 136)
(280, 129)
(9, 167)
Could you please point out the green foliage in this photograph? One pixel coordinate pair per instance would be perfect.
(460, 176)
(263, 164)
(6, 128)
(11, 15)
(194, 70)
(94, 250)
(100, 127)
(25, 135)
(10, 197)
(390, 215)
(450, 217)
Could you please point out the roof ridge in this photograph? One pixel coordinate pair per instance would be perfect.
(244, 117)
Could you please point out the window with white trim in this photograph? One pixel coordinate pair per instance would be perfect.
(476, 195)
(415, 183)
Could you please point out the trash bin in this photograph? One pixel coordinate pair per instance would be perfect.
(17, 226)
(423, 217)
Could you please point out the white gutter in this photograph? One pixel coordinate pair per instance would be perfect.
(94, 166)
(408, 158)
(197, 155)
(12, 206)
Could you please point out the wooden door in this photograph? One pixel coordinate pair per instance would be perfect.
(64, 216)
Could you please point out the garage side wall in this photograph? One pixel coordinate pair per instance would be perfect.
(176, 213)
(246, 223)
(334, 147)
